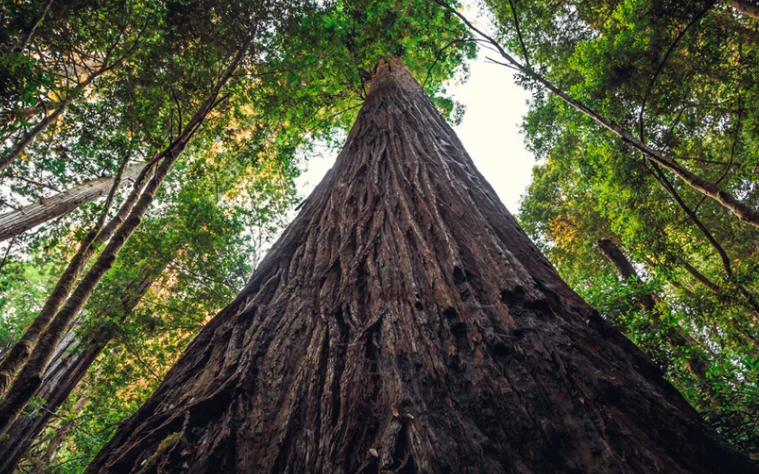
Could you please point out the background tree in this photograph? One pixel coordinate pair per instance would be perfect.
(675, 75)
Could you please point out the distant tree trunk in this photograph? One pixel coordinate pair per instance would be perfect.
(676, 336)
(55, 389)
(747, 7)
(30, 375)
(44, 458)
(405, 323)
(16, 222)
(18, 355)
(27, 138)
(65, 371)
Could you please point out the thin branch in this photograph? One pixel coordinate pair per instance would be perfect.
(5, 259)
(31, 181)
(694, 218)
(439, 55)
(659, 69)
(519, 34)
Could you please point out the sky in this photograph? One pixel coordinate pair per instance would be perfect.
(495, 105)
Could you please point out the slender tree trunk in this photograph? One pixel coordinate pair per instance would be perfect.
(46, 457)
(54, 391)
(26, 35)
(16, 222)
(62, 376)
(676, 336)
(707, 188)
(18, 355)
(405, 323)
(30, 375)
(747, 7)
(28, 137)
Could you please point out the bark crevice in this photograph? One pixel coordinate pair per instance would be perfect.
(405, 323)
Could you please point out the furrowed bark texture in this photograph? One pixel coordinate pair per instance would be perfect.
(405, 323)
(17, 222)
(66, 369)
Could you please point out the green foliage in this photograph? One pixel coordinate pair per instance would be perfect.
(301, 82)
(682, 75)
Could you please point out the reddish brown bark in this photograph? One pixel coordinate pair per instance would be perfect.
(405, 323)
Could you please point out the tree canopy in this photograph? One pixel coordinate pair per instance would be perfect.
(681, 77)
(644, 119)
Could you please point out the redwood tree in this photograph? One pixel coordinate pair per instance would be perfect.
(405, 323)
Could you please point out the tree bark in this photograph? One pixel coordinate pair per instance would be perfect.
(30, 375)
(16, 222)
(746, 7)
(65, 371)
(21, 351)
(44, 458)
(405, 323)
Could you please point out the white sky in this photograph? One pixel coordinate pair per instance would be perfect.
(495, 106)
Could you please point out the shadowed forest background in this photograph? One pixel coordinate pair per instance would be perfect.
(149, 151)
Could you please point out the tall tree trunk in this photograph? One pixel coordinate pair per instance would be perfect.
(18, 147)
(16, 222)
(676, 336)
(747, 7)
(405, 323)
(30, 375)
(63, 374)
(18, 355)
